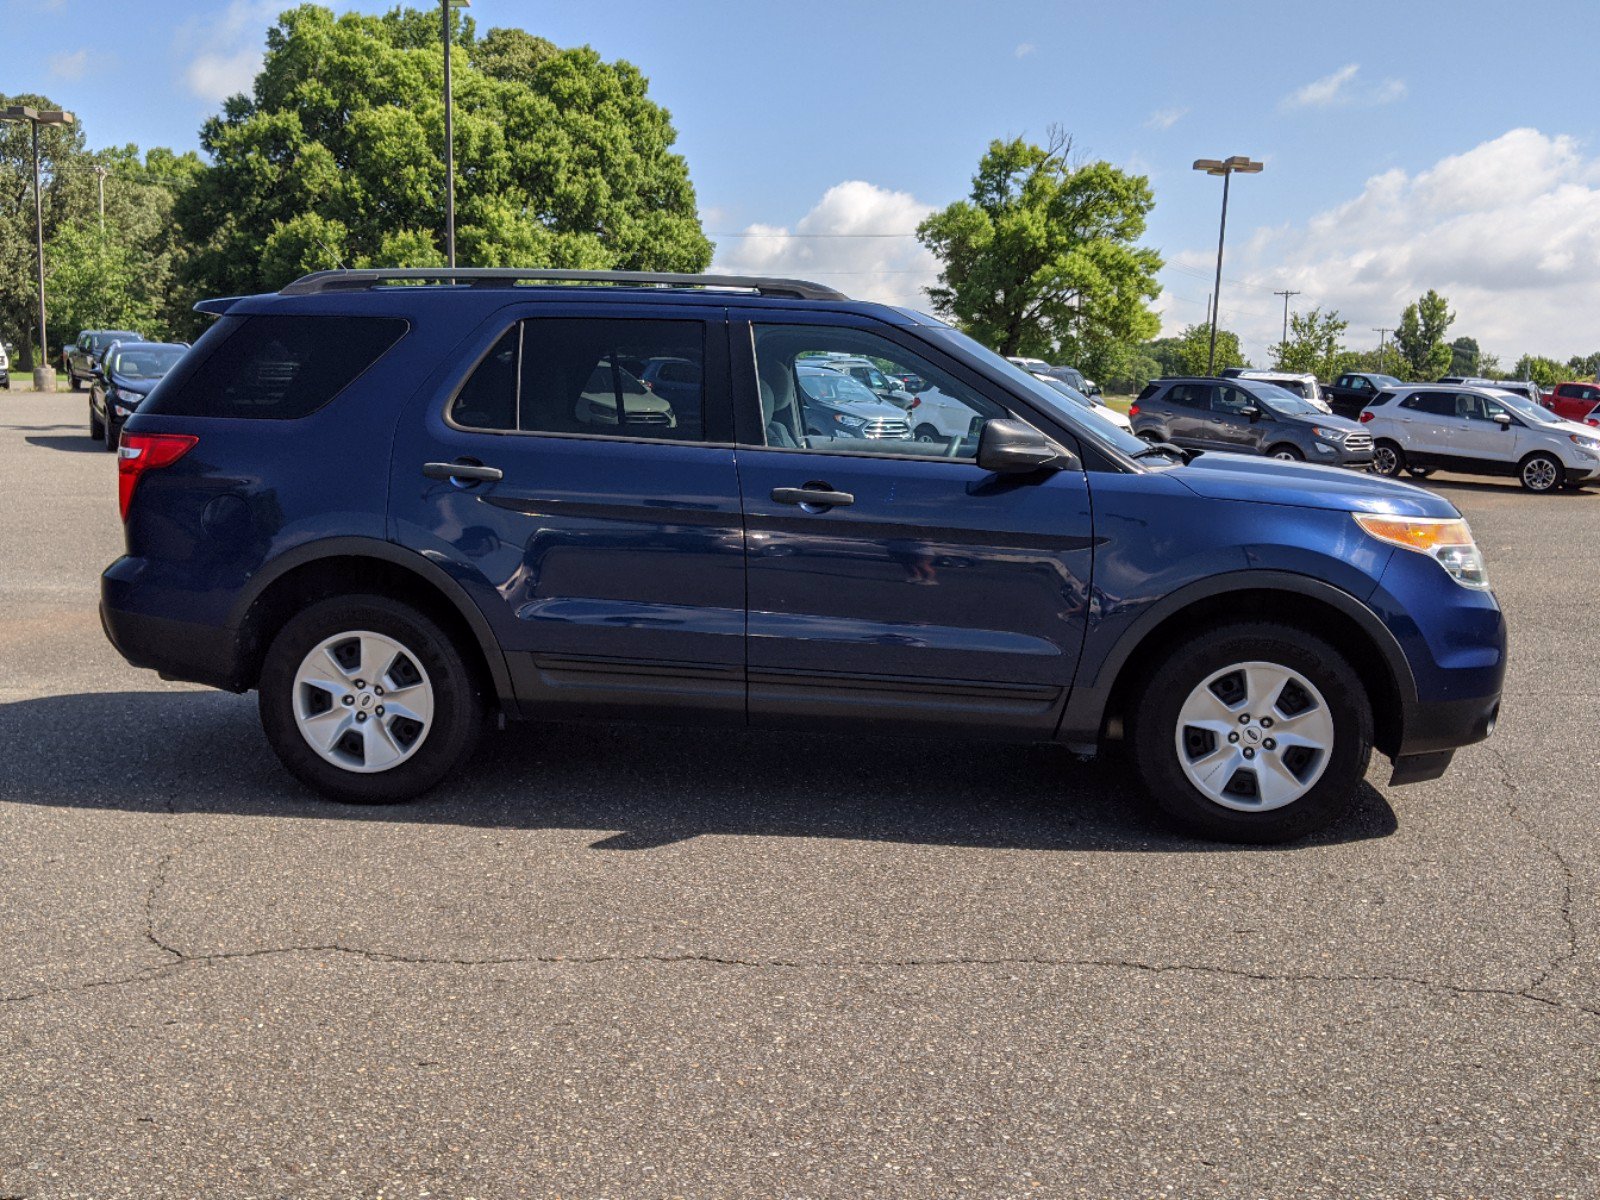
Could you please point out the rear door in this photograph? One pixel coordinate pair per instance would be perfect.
(1425, 421)
(1188, 409)
(893, 581)
(605, 545)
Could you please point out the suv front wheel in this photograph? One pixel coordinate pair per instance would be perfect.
(1252, 733)
(368, 700)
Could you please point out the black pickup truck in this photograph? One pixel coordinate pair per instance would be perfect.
(80, 359)
(1354, 390)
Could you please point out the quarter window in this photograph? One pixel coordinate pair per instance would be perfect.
(1437, 404)
(808, 403)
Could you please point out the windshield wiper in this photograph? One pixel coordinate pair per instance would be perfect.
(1166, 448)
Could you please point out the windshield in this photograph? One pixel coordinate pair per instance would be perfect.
(841, 389)
(1045, 397)
(147, 362)
(1386, 381)
(1070, 392)
(1527, 409)
(1280, 400)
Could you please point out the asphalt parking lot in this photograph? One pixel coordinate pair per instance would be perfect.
(632, 963)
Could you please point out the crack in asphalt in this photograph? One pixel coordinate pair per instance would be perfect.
(165, 970)
(1514, 809)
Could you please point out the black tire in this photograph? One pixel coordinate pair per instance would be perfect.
(97, 427)
(1541, 473)
(1286, 452)
(1153, 731)
(113, 433)
(1388, 459)
(458, 712)
(927, 433)
(1419, 472)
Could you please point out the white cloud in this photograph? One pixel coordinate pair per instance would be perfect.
(892, 269)
(224, 50)
(1508, 230)
(1024, 49)
(1337, 89)
(1165, 118)
(69, 66)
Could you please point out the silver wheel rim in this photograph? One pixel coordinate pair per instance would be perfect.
(1286, 455)
(1254, 736)
(1384, 459)
(363, 702)
(1540, 474)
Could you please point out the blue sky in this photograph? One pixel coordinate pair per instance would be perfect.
(1407, 145)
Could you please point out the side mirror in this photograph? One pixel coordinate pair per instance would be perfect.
(1502, 419)
(1015, 448)
(1251, 411)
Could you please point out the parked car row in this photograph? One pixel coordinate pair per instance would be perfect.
(1069, 375)
(1246, 415)
(120, 375)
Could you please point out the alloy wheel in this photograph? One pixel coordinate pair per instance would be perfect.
(1254, 736)
(1539, 475)
(363, 701)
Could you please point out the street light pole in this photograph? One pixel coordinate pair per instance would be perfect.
(1224, 167)
(44, 375)
(449, 136)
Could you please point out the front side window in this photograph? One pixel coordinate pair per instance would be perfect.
(1230, 401)
(808, 405)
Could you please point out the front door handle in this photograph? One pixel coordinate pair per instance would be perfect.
(471, 471)
(813, 495)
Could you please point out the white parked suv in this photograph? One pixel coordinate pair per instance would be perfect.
(5, 367)
(1301, 383)
(1419, 428)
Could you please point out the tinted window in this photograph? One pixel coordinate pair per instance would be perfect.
(1230, 400)
(488, 400)
(581, 376)
(1438, 404)
(275, 367)
(1190, 395)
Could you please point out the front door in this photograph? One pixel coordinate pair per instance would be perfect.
(606, 546)
(1231, 429)
(1477, 435)
(890, 579)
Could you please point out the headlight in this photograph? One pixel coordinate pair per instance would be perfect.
(1328, 435)
(127, 397)
(850, 422)
(1590, 444)
(1447, 540)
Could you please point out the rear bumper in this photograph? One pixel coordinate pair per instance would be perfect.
(174, 649)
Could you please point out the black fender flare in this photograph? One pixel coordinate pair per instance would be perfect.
(388, 552)
(1085, 711)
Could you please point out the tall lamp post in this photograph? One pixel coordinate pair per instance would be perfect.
(44, 375)
(449, 135)
(1224, 167)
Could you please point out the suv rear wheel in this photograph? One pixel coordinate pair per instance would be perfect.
(368, 700)
(1253, 733)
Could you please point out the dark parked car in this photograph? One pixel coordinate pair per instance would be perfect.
(371, 499)
(1354, 390)
(1246, 416)
(81, 359)
(123, 380)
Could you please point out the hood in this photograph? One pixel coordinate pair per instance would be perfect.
(141, 387)
(1326, 420)
(1306, 485)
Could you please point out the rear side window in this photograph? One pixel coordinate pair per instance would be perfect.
(581, 376)
(1150, 389)
(275, 367)
(1439, 404)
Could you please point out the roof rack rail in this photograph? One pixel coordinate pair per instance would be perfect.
(319, 282)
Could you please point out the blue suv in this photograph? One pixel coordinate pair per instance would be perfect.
(402, 503)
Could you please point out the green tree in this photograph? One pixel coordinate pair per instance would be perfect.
(1546, 372)
(336, 158)
(1583, 366)
(1194, 348)
(95, 281)
(1316, 339)
(1042, 258)
(1489, 366)
(1420, 336)
(1464, 355)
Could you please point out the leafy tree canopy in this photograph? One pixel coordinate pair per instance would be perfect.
(1420, 336)
(1315, 341)
(337, 157)
(1194, 349)
(1042, 257)
(1464, 355)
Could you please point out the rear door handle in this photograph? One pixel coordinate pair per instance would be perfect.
(476, 472)
(818, 495)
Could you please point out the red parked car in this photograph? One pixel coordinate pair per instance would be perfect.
(1575, 402)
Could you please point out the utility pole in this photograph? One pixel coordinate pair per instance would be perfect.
(1382, 335)
(1285, 341)
(449, 137)
(101, 173)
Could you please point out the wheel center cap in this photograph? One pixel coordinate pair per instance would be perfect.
(365, 700)
(1252, 734)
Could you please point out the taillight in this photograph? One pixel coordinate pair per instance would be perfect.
(1365, 416)
(915, 401)
(1133, 410)
(141, 452)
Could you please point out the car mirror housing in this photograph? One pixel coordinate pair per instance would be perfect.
(1251, 411)
(1502, 419)
(1016, 448)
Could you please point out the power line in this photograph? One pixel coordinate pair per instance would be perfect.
(812, 235)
